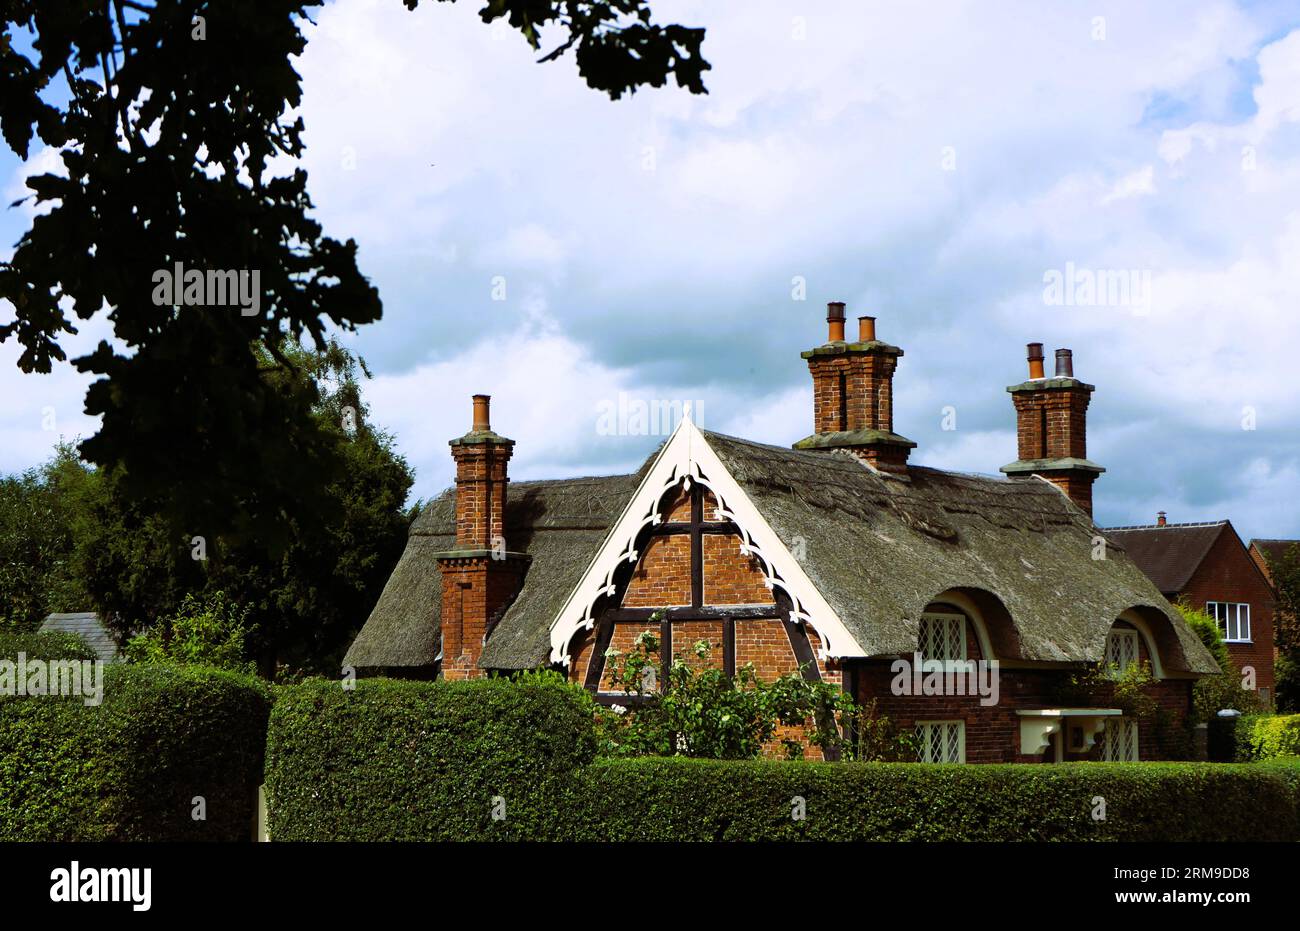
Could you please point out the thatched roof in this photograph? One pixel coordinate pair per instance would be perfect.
(879, 549)
(1169, 554)
(558, 523)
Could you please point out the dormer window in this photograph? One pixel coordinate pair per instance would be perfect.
(942, 638)
(1121, 650)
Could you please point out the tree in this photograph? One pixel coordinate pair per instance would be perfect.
(175, 112)
(37, 518)
(1285, 571)
(71, 539)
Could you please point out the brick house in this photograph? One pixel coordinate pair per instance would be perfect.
(835, 557)
(1209, 566)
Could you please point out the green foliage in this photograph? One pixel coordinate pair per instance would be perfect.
(306, 599)
(1212, 694)
(399, 760)
(876, 739)
(130, 768)
(1285, 571)
(1265, 737)
(705, 800)
(38, 515)
(703, 712)
(203, 632)
(44, 646)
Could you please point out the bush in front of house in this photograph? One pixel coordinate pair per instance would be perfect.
(708, 800)
(1260, 737)
(166, 745)
(400, 760)
(44, 646)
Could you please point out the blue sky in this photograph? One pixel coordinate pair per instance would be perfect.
(927, 170)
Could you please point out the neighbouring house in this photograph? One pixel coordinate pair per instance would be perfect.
(1207, 565)
(836, 557)
(87, 626)
(1268, 553)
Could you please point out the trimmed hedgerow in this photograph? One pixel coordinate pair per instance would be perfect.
(44, 646)
(706, 800)
(131, 767)
(401, 760)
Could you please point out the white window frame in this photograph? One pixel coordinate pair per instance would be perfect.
(954, 634)
(932, 735)
(1122, 649)
(1225, 611)
(1119, 743)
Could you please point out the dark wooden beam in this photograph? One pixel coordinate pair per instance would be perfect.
(596, 665)
(729, 646)
(702, 613)
(681, 526)
(803, 651)
(697, 546)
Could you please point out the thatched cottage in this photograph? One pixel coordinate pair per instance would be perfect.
(836, 557)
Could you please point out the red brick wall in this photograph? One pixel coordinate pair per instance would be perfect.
(731, 578)
(993, 732)
(662, 577)
(1229, 574)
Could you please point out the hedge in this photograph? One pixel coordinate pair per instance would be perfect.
(45, 646)
(401, 760)
(1254, 737)
(706, 800)
(131, 767)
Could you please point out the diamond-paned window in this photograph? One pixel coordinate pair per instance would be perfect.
(941, 741)
(1121, 649)
(943, 637)
(1119, 744)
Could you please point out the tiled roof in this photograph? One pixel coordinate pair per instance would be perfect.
(87, 626)
(1169, 554)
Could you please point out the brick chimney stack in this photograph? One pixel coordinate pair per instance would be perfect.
(480, 577)
(1052, 427)
(853, 395)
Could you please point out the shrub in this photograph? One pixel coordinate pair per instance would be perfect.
(703, 712)
(46, 646)
(705, 800)
(1265, 737)
(206, 632)
(398, 760)
(131, 767)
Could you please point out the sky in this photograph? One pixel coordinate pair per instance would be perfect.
(568, 254)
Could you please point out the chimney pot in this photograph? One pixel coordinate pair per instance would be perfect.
(866, 329)
(835, 317)
(1064, 363)
(1035, 360)
(1160, 519)
(482, 421)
